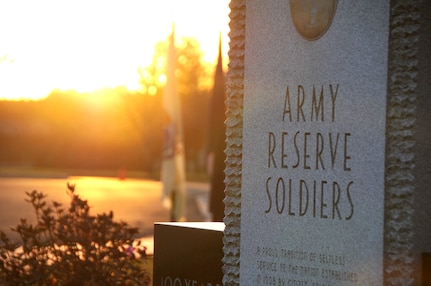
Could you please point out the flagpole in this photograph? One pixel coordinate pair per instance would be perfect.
(173, 175)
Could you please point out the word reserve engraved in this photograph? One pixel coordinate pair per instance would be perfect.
(312, 18)
(296, 150)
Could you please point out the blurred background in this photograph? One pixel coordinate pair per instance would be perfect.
(81, 82)
(81, 87)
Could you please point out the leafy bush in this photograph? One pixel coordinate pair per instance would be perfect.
(71, 248)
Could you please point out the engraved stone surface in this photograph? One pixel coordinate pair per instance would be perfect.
(328, 157)
(314, 147)
(313, 17)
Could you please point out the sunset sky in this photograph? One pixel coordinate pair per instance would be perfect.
(86, 44)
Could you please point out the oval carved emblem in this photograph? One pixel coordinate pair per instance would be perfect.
(312, 18)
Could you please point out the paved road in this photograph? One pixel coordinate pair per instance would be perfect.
(134, 201)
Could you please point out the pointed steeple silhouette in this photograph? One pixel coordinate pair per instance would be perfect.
(217, 137)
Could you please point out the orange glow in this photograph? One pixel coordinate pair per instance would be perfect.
(88, 45)
(152, 90)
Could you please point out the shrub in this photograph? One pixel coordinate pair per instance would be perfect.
(71, 247)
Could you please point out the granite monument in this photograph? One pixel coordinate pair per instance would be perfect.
(328, 143)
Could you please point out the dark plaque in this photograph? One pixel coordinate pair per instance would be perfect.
(188, 254)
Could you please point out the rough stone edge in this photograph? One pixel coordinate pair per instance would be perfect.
(399, 258)
(233, 169)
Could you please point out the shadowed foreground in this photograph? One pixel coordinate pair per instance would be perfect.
(134, 201)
